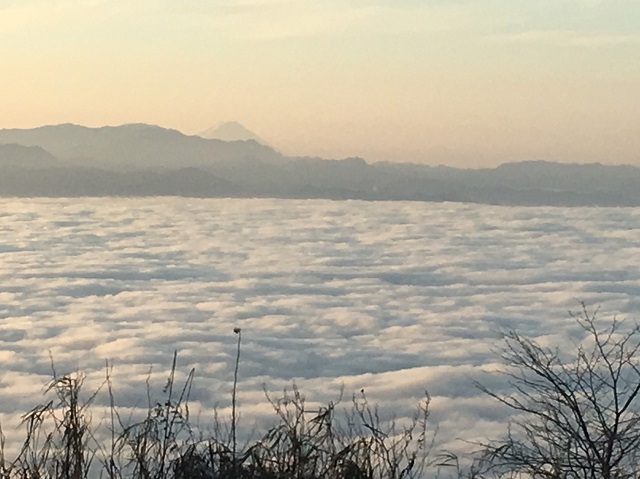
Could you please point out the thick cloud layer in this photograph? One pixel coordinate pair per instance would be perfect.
(395, 298)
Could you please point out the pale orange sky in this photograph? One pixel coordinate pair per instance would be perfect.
(460, 82)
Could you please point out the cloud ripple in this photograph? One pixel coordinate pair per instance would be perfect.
(396, 298)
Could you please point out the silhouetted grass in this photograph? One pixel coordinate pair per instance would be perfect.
(62, 439)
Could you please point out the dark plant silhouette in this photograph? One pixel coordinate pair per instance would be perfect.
(576, 417)
(62, 441)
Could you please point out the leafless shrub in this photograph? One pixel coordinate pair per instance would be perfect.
(575, 418)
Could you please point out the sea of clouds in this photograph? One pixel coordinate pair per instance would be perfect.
(391, 297)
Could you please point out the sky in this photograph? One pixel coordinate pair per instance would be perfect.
(460, 82)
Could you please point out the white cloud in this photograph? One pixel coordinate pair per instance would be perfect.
(395, 298)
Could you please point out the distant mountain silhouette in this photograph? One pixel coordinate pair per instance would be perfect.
(80, 181)
(231, 131)
(144, 160)
(13, 155)
(134, 146)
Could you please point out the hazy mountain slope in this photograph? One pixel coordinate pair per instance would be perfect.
(134, 146)
(71, 182)
(529, 182)
(13, 155)
(586, 178)
(149, 160)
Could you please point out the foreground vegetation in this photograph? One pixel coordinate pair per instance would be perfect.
(577, 415)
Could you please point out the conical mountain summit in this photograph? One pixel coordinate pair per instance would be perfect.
(231, 131)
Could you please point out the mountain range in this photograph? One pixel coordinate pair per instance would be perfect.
(146, 160)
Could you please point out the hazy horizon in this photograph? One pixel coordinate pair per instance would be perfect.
(463, 83)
